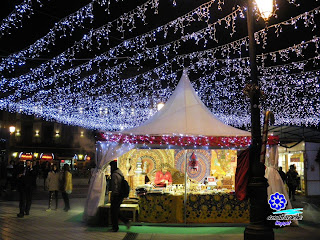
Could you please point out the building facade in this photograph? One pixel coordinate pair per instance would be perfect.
(24, 137)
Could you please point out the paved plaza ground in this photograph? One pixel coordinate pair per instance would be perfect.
(68, 225)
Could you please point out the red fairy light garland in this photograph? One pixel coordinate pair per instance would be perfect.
(210, 141)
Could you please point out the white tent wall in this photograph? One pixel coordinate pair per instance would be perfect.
(312, 169)
(274, 179)
(105, 153)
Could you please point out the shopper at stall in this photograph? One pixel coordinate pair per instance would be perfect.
(66, 186)
(52, 184)
(292, 182)
(25, 188)
(163, 177)
(116, 197)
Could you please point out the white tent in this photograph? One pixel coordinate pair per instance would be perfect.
(184, 114)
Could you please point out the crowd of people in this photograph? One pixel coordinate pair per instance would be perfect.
(292, 179)
(13, 168)
(22, 177)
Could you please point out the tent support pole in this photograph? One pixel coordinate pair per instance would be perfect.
(185, 187)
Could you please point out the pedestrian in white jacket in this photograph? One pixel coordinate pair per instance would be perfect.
(52, 184)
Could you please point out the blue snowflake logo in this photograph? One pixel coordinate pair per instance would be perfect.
(277, 201)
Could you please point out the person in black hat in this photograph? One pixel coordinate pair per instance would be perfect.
(116, 197)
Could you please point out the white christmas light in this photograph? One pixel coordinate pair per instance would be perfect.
(105, 100)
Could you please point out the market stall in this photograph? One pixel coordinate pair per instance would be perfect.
(185, 139)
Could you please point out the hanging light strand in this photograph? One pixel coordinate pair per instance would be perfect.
(57, 62)
(15, 18)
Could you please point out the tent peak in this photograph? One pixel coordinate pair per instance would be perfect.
(184, 113)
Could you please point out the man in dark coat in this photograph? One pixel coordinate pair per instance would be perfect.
(116, 197)
(282, 175)
(292, 182)
(25, 188)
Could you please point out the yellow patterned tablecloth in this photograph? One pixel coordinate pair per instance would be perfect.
(201, 208)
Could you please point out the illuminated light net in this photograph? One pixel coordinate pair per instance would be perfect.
(121, 87)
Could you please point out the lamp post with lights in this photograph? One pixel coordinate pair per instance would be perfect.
(257, 186)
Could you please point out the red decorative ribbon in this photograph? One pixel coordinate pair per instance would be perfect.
(210, 141)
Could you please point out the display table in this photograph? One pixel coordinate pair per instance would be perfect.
(201, 208)
(125, 207)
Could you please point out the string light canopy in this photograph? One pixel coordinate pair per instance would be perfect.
(106, 64)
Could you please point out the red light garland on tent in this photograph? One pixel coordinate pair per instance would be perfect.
(209, 141)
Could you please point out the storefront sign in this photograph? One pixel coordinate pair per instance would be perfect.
(26, 157)
(46, 157)
(211, 180)
(296, 159)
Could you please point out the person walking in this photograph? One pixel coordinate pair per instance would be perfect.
(116, 197)
(282, 175)
(292, 182)
(66, 186)
(25, 188)
(52, 184)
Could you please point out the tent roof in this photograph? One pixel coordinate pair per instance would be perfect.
(185, 114)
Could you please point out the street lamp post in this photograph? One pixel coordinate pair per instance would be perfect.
(257, 186)
(12, 130)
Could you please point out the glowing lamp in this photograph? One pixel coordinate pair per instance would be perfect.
(160, 105)
(12, 129)
(265, 8)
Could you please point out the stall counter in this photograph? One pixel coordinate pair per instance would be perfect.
(201, 208)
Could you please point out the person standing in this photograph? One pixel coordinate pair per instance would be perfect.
(25, 188)
(116, 197)
(9, 179)
(292, 182)
(45, 172)
(36, 169)
(66, 186)
(282, 175)
(52, 184)
(163, 177)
